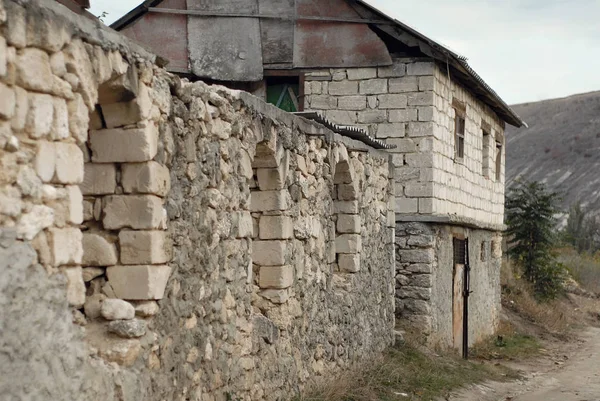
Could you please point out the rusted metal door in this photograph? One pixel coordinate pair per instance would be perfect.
(458, 305)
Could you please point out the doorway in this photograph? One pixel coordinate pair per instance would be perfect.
(460, 296)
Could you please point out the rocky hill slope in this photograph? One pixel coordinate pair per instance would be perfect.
(561, 147)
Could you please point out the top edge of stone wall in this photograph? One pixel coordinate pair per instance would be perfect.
(453, 220)
(305, 125)
(91, 31)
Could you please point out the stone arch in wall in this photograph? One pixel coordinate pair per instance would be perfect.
(348, 242)
(274, 228)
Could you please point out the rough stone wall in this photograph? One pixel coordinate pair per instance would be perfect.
(107, 159)
(424, 280)
(409, 104)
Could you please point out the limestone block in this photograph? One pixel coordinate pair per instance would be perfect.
(243, 225)
(79, 118)
(146, 178)
(419, 160)
(420, 99)
(421, 280)
(124, 145)
(372, 116)
(7, 101)
(403, 145)
(398, 69)
(31, 223)
(420, 268)
(426, 83)
(348, 243)
(404, 174)
(414, 292)
(416, 255)
(349, 263)
(97, 251)
(342, 116)
(357, 74)
(392, 101)
(269, 253)
(418, 189)
(418, 306)
(373, 86)
(33, 70)
(66, 246)
(57, 64)
(271, 178)
(69, 164)
(404, 85)
(99, 179)
(425, 113)
(347, 192)
(125, 113)
(276, 296)
(3, 57)
(396, 130)
(276, 227)
(347, 207)
(90, 273)
(139, 282)
(117, 309)
(264, 201)
(323, 102)
(342, 88)
(75, 204)
(420, 129)
(60, 124)
(19, 118)
(426, 205)
(40, 115)
(144, 247)
(10, 201)
(406, 205)
(75, 286)
(420, 68)
(402, 116)
(276, 277)
(352, 103)
(146, 308)
(93, 305)
(349, 223)
(78, 62)
(140, 212)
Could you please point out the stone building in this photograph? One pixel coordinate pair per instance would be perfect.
(162, 239)
(358, 67)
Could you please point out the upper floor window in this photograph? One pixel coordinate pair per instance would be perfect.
(486, 153)
(460, 112)
(498, 160)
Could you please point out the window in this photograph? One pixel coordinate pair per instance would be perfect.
(459, 129)
(285, 92)
(460, 251)
(486, 153)
(498, 160)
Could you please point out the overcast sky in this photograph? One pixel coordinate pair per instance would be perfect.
(527, 50)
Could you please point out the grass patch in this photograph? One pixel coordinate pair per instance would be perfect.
(584, 267)
(507, 344)
(406, 373)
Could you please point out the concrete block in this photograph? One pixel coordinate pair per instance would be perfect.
(323, 102)
(420, 68)
(345, 207)
(404, 85)
(97, 251)
(419, 129)
(419, 160)
(276, 227)
(75, 286)
(279, 277)
(349, 224)
(269, 253)
(404, 145)
(420, 99)
(146, 178)
(139, 282)
(342, 88)
(65, 246)
(99, 179)
(398, 69)
(123, 146)
(395, 101)
(405, 205)
(69, 164)
(396, 130)
(405, 174)
(45, 160)
(426, 205)
(372, 116)
(418, 189)
(402, 116)
(264, 201)
(348, 243)
(426, 83)
(349, 263)
(342, 116)
(144, 247)
(373, 86)
(425, 113)
(140, 212)
(357, 74)
(352, 103)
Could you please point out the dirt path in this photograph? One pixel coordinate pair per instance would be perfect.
(569, 373)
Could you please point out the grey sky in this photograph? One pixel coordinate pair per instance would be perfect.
(527, 50)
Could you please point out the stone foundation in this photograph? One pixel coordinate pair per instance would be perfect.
(424, 280)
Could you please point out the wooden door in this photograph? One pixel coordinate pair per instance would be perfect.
(457, 305)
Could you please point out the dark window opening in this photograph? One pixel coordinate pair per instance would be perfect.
(498, 161)
(460, 251)
(459, 133)
(485, 157)
(285, 92)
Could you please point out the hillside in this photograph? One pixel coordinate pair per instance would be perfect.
(561, 147)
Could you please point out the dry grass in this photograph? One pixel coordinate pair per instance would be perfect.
(406, 373)
(584, 268)
(509, 343)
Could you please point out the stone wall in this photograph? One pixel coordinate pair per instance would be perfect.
(174, 240)
(424, 280)
(409, 104)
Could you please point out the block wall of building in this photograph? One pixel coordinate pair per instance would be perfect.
(424, 280)
(167, 240)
